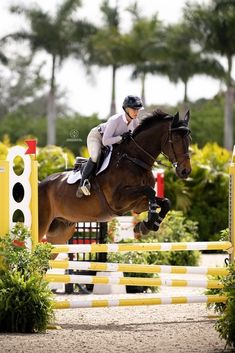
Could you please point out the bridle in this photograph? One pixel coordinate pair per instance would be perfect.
(174, 161)
(169, 141)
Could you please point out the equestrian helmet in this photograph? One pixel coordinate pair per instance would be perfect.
(133, 102)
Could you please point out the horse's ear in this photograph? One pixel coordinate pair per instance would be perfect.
(176, 119)
(187, 117)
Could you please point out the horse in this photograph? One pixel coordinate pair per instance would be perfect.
(126, 185)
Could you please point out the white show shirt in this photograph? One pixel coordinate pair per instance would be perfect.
(115, 127)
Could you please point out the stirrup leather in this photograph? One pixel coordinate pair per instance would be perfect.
(85, 187)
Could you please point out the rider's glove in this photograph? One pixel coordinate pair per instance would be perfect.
(126, 136)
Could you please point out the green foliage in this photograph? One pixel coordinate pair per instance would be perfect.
(3, 151)
(17, 125)
(25, 299)
(174, 228)
(203, 197)
(207, 120)
(209, 190)
(134, 258)
(22, 87)
(226, 322)
(52, 159)
(72, 131)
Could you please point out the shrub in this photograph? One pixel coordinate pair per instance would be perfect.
(203, 197)
(51, 160)
(225, 325)
(25, 299)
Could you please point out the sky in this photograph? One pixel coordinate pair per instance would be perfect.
(88, 95)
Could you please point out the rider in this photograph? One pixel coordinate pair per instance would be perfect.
(117, 129)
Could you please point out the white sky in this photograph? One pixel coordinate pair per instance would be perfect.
(92, 95)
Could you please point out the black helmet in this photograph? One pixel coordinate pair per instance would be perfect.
(132, 102)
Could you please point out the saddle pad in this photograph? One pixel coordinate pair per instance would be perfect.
(74, 176)
(106, 161)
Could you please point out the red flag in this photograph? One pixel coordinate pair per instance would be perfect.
(31, 146)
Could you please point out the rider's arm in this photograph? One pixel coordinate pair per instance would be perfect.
(110, 129)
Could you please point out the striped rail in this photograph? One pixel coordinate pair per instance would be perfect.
(114, 248)
(132, 281)
(99, 266)
(66, 304)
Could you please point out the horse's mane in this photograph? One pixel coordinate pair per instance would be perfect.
(156, 116)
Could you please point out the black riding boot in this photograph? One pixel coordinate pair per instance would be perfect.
(85, 186)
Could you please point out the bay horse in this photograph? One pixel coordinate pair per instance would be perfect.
(126, 185)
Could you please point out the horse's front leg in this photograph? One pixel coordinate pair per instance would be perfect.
(154, 218)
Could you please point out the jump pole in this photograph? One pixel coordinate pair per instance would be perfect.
(158, 300)
(137, 268)
(115, 248)
(133, 281)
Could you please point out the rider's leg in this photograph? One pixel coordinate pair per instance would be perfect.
(94, 143)
(86, 175)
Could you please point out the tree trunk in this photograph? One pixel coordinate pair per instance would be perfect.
(228, 118)
(113, 104)
(228, 109)
(185, 92)
(143, 76)
(51, 108)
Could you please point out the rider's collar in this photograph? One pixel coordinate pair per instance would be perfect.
(124, 118)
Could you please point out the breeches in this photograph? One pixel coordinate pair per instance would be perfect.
(94, 144)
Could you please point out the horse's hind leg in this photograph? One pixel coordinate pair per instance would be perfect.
(44, 211)
(60, 232)
(44, 221)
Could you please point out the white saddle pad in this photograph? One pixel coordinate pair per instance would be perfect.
(74, 176)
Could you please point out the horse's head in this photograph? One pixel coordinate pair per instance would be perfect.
(175, 145)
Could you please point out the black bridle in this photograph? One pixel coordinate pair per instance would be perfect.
(169, 141)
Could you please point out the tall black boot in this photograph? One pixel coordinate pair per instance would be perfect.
(85, 186)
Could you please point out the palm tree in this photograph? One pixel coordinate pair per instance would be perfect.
(54, 35)
(144, 38)
(106, 46)
(213, 26)
(184, 61)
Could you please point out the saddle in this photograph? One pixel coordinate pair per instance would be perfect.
(80, 162)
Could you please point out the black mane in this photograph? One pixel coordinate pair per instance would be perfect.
(156, 115)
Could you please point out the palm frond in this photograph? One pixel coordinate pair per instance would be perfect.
(66, 9)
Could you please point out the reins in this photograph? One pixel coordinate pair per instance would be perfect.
(155, 162)
(169, 140)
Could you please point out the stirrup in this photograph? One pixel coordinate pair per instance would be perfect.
(85, 187)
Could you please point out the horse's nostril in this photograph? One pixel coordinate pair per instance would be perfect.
(185, 172)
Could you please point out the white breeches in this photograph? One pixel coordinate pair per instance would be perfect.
(94, 144)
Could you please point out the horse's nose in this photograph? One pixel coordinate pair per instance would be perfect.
(185, 172)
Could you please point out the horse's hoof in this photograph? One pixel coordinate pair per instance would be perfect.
(137, 229)
(141, 229)
(137, 236)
